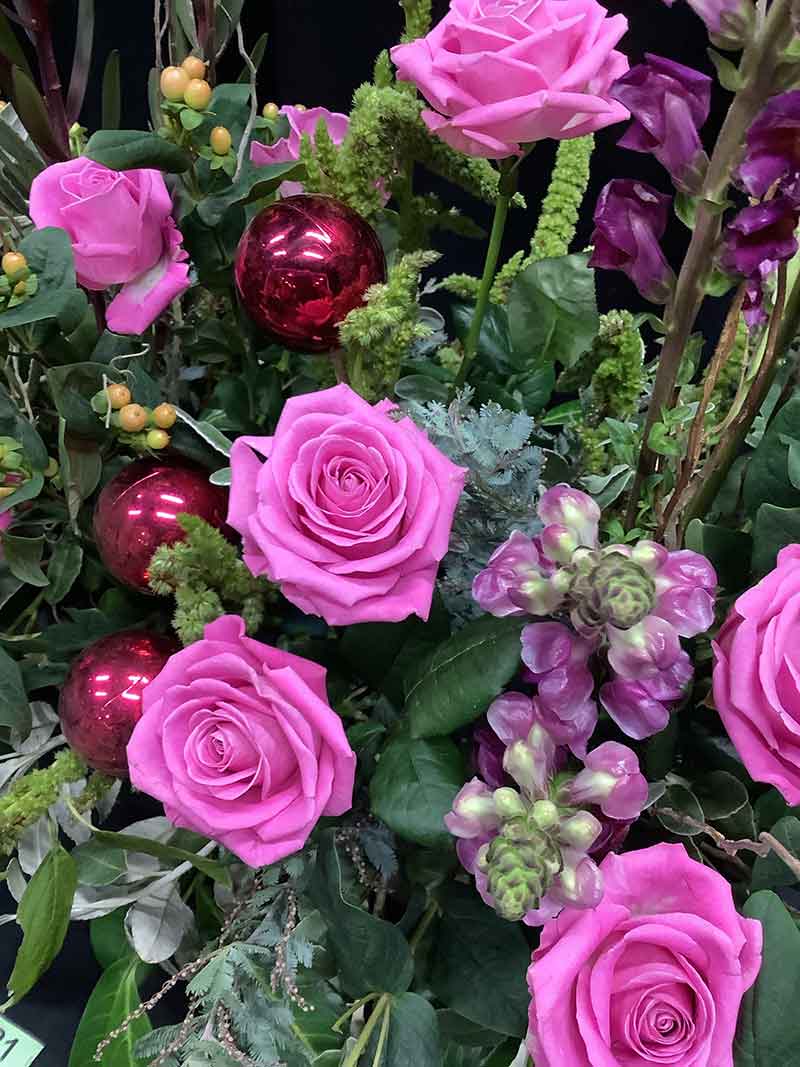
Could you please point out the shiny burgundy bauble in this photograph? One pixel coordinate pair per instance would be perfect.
(138, 510)
(101, 700)
(303, 263)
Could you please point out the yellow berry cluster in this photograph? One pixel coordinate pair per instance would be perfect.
(141, 427)
(17, 282)
(187, 84)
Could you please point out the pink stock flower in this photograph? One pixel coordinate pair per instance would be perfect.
(287, 149)
(655, 974)
(347, 508)
(557, 659)
(239, 743)
(122, 233)
(757, 676)
(571, 510)
(611, 779)
(500, 74)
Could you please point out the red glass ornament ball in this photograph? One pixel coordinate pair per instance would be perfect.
(303, 263)
(138, 510)
(101, 700)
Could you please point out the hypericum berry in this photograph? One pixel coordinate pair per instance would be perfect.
(157, 439)
(164, 416)
(174, 83)
(133, 418)
(13, 263)
(194, 67)
(220, 141)
(270, 111)
(52, 468)
(197, 94)
(300, 107)
(119, 396)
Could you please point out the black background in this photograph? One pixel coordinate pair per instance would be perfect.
(318, 53)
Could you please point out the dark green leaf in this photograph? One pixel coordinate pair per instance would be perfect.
(14, 710)
(422, 388)
(253, 183)
(679, 811)
(770, 872)
(728, 550)
(413, 1037)
(171, 855)
(107, 934)
(767, 478)
(256, 55)
(536, 387)
(372, 955)
(43, 914)
(32, 111)
(774, 529)
(21, 152)
(113, 999)
(552, 311)
(720, 795)
(81, 61)
(24, 557)
(190, 120)
(98, 864)
(686, 209)
(494, 342)
(64, 567)
(112, 92)
(73, 387)
(132, 149)
(727, 72)
(414, 786)
(769, 1023)
(462, 677)
(11, 48)
(480, 961)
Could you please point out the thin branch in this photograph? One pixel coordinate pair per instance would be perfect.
(245, 141)
(12, 16)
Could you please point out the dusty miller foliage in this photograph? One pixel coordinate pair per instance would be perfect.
(502, 485)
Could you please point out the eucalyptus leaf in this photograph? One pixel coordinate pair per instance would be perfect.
(157, 923)
(15, 711)
(98, 864)
(168, 853)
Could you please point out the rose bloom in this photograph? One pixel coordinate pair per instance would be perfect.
(122, 232)
(350, 513)
(239, 743)
(287, 148)
(503, 73)
(655, 974)
(757, 676)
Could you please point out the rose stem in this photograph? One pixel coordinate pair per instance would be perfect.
(757, 68)
(506, 189)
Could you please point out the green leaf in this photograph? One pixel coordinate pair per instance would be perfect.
(728, 550)
(494, 342)
(536, 387)
(132, 149)
(767, 478)
(774, 529)
(107, 934)
(686, 209)
(679, 811)
(257, 56)
(72, 387)
(14, 710)
(190, 119)
(770, 872)
(414, 786)
(422, 388)
(727, 72)
(720, 795)
(413, 1037)
(552, 311)
(479, 964)
(11, 48)
(49, 255)
(43, 914)
(169, 853)
(64, 567)
(463, 676)
(29, 490)
(372, 955)
(97, 863)
(254, 183)
(24, 556)
(769, 1023)
(112, 92)
(113, 999)
(32, 112)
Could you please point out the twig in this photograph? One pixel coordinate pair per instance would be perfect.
(245, 141)
(48, 71)
(12, 16)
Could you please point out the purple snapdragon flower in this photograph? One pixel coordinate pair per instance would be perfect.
(773, 146)
(630, 220)
(759, 237)
(669, 103)
(730, 22)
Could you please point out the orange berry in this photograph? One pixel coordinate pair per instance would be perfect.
(174, 83)
(300, 107)
(221, 141)
(119, 396)
(13, 263)
(197, 95)
(270, 111)
(157, 439)
(194, 67)
(164, 416)
(133, 418)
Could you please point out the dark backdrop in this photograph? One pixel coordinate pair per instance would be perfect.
(319, 53)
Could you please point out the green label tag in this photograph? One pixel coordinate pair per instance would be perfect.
(18, 1048)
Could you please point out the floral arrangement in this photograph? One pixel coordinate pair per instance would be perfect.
(445, 627)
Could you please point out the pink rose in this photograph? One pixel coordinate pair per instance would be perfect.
(238, 742)
(287, 149)
(122, 232)
(757, 676)
(654, 975)
(503, 73)
(352, 513)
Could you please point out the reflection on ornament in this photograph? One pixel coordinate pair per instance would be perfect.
(302, 265)
(138, 511)
(101, 700)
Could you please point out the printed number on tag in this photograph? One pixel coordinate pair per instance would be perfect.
(18, 1048)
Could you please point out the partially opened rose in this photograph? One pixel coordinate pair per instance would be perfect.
(122, 232)
(347, 507)
(653, 976)
(502, 73)
(757, 676)
(239, 743)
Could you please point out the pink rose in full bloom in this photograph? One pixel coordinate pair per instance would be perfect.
(287, 149)
(654, 975)
(503, 73)
(122, 232)
(757, 676)
(239, 743)
(350, 513)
